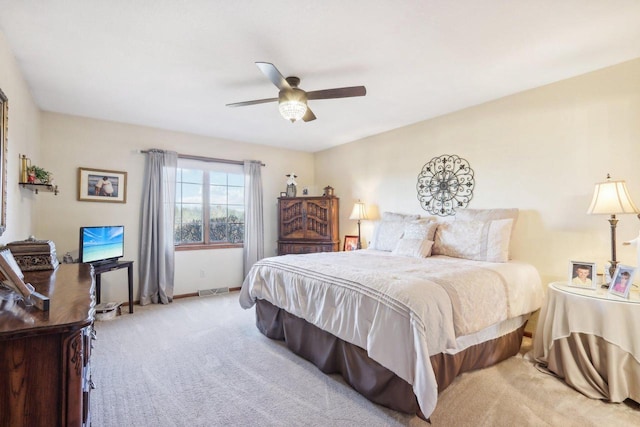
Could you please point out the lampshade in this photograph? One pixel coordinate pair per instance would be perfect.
(611, 198)
(358, 211)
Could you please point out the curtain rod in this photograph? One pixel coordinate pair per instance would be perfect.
(207, 159)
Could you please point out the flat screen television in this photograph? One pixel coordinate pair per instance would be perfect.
(101, 244)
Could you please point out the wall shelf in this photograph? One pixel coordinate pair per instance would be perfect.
(48, 188)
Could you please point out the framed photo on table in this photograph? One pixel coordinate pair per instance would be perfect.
(350, 243)
(622, 280)
(582, 274)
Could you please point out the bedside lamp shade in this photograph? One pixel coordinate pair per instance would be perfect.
(611, 198)
(359, 212)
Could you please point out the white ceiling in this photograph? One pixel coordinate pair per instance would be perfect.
(174, 64)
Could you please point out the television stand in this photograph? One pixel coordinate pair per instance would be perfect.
(99, 268)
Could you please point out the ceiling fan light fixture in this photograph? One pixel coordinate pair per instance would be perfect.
(292, 110)
(292, 104)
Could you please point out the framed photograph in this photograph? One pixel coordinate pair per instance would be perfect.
(582, 274)
(283, 194)
(350, 243)
(622, 280)
(99, 185)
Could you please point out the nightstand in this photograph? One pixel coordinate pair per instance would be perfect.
(590, 339)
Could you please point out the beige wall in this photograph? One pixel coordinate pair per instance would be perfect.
(540, 151)
(24, 138)
(70, 142)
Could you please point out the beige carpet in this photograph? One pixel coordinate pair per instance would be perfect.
(201, 362)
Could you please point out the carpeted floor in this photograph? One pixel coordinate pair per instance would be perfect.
(201, 362)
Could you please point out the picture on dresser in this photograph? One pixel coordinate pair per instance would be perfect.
(622, 280)
(582, 274)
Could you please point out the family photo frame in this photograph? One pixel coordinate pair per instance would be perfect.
(350, 243)
(582, 274)
(622, 280)
(101, 185)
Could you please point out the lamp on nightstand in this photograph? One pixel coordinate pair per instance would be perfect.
(611, 198)
(359, 212)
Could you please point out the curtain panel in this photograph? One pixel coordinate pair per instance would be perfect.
(156, 267)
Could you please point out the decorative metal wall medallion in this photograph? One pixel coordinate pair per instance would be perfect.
(445, 184)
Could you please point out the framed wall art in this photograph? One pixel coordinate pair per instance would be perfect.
(4, 129)
(100, 185)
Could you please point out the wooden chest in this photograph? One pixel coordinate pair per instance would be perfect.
(33, 254)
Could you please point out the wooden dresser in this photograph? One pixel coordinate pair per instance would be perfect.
(45, 375)
(308, 224)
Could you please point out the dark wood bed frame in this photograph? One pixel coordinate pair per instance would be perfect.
(377, 383)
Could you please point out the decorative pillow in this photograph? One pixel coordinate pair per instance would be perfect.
(417, 248)
(476, 240)
(487, 214)
(386, 235)
(420, 229)
(389, 230)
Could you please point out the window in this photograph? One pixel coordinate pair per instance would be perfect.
(209, 205)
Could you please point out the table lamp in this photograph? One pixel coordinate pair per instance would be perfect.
(610, 198)
(359, 212)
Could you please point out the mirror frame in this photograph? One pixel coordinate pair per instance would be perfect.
(4, 139)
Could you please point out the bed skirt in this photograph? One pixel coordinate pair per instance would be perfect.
(375, 382)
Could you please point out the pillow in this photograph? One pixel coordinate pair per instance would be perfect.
(420, 229)
(417, 248)
(476, 240)
(386, 235)
(389, 230)
(486, 214)
(394, 216)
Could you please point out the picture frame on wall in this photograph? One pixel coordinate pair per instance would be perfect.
(350, 243)
(582, 275)
(622, 280)
(101, 185)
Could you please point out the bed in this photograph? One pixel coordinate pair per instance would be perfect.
(399, 325)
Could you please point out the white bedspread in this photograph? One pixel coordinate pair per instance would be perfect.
(401, 310)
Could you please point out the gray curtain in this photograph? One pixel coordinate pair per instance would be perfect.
(156, 266)
(253, 248)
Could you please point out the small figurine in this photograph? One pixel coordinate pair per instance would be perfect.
(31, 179)
(291, 184)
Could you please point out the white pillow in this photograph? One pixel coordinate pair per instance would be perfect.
(394, 216)
(466, 214)
(388, 231)
(476, 240)
(420, 229)
(386, 235)
(417, 248)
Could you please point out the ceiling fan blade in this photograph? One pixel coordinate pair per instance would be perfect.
(272, 73)
(342, 92)
(308, 116)
(257, 101)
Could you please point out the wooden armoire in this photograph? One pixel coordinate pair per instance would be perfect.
(308, 224)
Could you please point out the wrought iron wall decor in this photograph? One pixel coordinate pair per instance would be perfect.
(445, 183)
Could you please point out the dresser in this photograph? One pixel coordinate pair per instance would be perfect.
(45, 370)
(308, 224)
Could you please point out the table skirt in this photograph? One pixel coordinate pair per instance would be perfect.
(596, 368)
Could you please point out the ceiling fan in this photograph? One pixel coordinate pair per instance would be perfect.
(292, 101)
